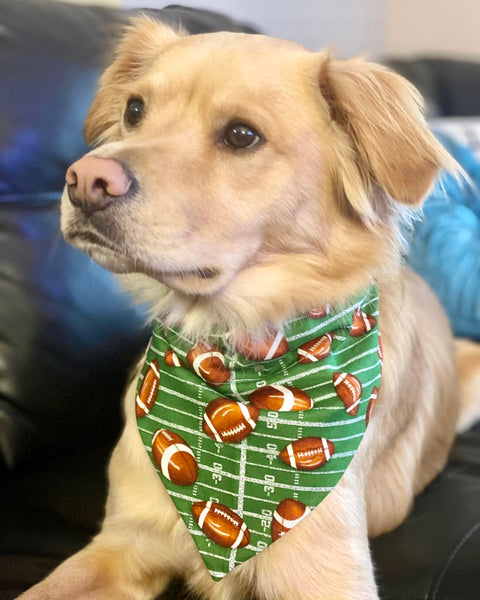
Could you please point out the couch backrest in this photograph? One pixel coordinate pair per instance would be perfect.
(68, 334)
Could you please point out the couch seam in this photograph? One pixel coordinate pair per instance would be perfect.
(450, 559)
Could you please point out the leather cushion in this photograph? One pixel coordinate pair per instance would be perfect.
(68, 334)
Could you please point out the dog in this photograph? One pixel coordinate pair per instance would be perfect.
(237, 181)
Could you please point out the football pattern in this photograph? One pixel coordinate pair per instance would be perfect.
(249, 438)
(307, 454)
(380, 349)
(362, 323)
(229, 421)
(288, 513)
(319, 313)
(280, 397)
(316, 349)
(171, 359)
(349, 390)
(371, 404)
(273, 346)
(147, 394)
(221, 524)
(208, 363)
(174, 457)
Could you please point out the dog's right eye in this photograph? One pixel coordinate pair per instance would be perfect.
(134, 111)
(240, 136)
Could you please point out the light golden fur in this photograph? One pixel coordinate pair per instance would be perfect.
(310, 217)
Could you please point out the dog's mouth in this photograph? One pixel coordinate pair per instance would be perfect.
(108, 256)
(101, 250)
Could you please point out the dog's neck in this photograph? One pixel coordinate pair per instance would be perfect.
(253, 310)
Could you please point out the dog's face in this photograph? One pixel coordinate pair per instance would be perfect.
(244, 173)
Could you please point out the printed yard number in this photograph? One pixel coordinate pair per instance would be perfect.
(217, 472)
(272, 419)
(261, 546)
(272, 452)
(269, 486)
(266, 518)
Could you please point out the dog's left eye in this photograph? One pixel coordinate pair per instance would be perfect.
(134, 111)
(240, 136)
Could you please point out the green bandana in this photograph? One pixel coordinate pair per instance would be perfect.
(249, 436)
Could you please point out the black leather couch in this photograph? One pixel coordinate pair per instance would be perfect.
(68, 334)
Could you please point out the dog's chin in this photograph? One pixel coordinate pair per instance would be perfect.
(195, 281)
(198, 283)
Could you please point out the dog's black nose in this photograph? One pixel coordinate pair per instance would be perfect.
(94, 183)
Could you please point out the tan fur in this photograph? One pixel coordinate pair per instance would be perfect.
(378, 106)
(308, 218)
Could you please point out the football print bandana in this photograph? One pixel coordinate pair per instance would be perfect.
(248, 437)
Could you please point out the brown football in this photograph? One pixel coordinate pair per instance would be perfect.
(229, 421)
(280, 397)
(171, 359)
(273, 346)
(287, 514)
(319, 313)
(307, 454)
(361, 323)
(221, 524)
(371, 404)
(147, 394)
(174, 457)
(208, 363)
(316, 349)
(349, 390)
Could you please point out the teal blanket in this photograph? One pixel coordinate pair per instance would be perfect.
(445, 245)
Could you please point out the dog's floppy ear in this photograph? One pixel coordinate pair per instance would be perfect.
(141, 43)
(380, 112)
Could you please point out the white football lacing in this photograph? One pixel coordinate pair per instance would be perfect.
(309, 453)
(226, 516)
(234, 430)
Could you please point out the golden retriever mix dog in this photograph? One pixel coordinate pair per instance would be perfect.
(238, 181)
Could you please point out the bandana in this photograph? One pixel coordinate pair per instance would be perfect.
(249, 436)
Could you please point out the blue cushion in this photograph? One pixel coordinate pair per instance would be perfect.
(445, 245)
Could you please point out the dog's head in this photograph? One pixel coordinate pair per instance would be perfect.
(239, 179)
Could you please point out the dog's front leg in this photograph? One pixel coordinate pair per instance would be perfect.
(130, 559)
(143, 543)
(98, 572)
(325, 557)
